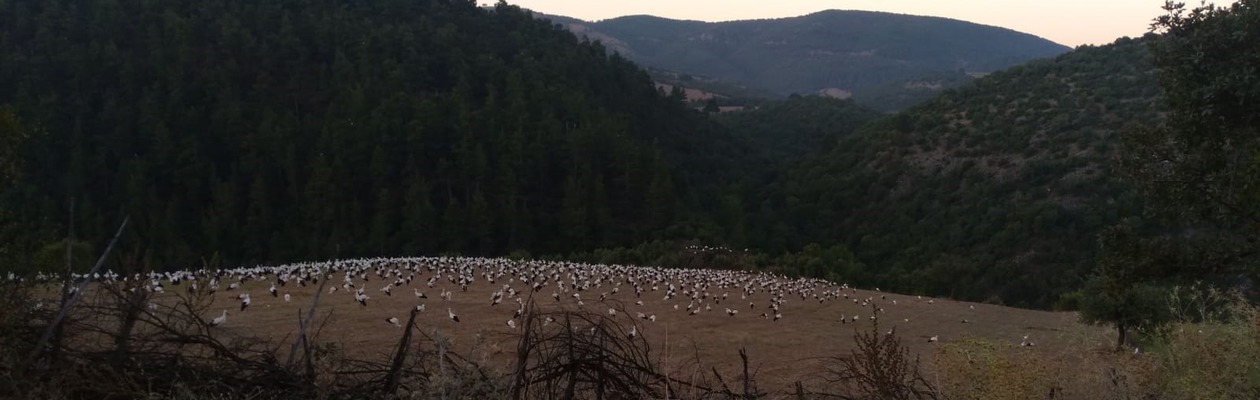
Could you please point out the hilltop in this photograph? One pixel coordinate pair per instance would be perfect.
(838, 52)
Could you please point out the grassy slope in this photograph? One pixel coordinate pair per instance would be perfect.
(782, 352)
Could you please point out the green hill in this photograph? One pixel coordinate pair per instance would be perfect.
(849, 51)
(994, 191)
(797, 127)
(727, 93)
(273, 131)
(900, 95)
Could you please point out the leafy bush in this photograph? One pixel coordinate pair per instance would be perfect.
(1212, 352)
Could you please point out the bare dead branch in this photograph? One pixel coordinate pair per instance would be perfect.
(61, 314)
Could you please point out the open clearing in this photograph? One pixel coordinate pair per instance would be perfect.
(781, 352)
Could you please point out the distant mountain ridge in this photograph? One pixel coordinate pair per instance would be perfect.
(840, 50)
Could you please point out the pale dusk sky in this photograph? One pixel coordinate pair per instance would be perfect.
(1068, 22)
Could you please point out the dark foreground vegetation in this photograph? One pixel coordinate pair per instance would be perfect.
(118, 341)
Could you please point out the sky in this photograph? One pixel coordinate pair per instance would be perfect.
(1068, 22)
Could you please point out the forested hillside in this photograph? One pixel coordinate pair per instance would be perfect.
(274, 131)
(900, 95)
(787, 130)
(995, 191)
(235, 133)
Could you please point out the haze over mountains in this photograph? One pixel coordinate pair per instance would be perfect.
(840, 53)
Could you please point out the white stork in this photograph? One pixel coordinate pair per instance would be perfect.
(220, 319)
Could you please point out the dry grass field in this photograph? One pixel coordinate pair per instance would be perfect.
(794, 348)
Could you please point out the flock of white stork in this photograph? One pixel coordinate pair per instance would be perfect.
(691, 291)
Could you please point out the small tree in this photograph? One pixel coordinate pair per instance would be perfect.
(1122, 291)
(880, 367)
(1128, 308)
(12, 137)
(711, 106)
(15, 241)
